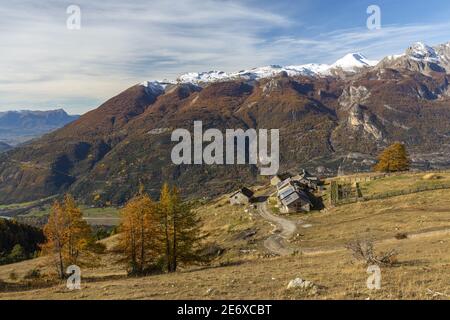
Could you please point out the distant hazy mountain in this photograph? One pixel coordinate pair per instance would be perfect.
(4, 147)
(19, 126)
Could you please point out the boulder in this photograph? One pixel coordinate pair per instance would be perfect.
(303, 285)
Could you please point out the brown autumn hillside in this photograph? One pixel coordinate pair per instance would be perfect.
(324, 123)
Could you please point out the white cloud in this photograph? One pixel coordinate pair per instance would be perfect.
(44, 64)
(119, 44)
(376, 44)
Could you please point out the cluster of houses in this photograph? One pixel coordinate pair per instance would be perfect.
(294, 192)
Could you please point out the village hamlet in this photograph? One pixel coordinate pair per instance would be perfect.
(295, 193)
(279, 178)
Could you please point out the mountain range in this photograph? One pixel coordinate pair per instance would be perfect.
(4, 147)
(19, 126)
(352, 62)
(332, 118)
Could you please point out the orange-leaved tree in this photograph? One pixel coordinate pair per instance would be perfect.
(394, 158)
(156, 236)
(67, 234)
(140, 237)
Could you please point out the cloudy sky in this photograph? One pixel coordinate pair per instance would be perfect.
(44, 65)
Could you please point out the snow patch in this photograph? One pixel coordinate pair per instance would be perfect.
(208, 76)
(350, 63)
(421, 52)
(156, 87)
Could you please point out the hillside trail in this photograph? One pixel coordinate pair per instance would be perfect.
(284, 229)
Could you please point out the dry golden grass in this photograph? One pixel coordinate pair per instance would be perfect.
(403, 182)
(377, 219)
(241, 272)
(423, 269)
(229, 226)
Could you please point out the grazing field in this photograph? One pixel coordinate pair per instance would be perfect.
(23, 204)
(377, 219)
(421, 273)
(417, 226)
(404, 182)
(108, 216)
(18, 208)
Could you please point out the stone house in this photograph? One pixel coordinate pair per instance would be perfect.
(242, 196)
(292, 198)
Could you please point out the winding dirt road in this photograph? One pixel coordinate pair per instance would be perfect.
(285, 229)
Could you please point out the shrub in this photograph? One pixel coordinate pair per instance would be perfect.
(33, 274)
(157, 267)
(401, 236)
(211, 251)
(12, 276)
(364, 251)
(95, 247)
(17, 253)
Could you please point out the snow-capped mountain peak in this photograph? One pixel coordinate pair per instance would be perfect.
(310, 69)
(353, 61)
(156, 87)
(350, 63)
(208, 76)
(421, 51)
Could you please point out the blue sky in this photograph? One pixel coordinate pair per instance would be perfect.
(45, 66)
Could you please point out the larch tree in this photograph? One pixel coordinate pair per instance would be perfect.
(166, 231)
(165, 209)
(393, 159)
(55, 232)
(79, 231)
(140, 237)
(185, 231)
(67, 234)
(181, 228)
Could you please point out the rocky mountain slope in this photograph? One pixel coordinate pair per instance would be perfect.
(19, 126)
(335, 120)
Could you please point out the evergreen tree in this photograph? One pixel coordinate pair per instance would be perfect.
(168, 230)
(185, 232)
(394, 158)
(181, 229)
(165, 211)
(18, 241)
(17, 253)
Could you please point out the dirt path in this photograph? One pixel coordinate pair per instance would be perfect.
(285, 229)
